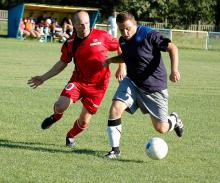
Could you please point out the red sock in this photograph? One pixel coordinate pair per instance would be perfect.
(76, 129)
(57, 116)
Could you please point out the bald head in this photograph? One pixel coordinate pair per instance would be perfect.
(81, 23)
(79, 15)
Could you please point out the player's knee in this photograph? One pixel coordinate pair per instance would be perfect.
(59, 108)
(116, 110)
(161, 129)
(83, 124)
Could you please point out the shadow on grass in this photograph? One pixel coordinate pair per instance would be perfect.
(101, 154)
(33, 146)
(37, 146)
(3, 36)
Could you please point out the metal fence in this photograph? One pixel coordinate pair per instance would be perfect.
(196, 36)
(3, 22)
(192, 27)
(3, 15)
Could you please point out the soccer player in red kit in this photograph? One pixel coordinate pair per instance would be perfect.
(88, 48)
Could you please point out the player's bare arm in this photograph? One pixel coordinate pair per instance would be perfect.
(35, 81)
(173, 53)
(115, 59)
(121, 71)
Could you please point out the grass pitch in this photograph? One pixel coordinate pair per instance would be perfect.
(29, 154)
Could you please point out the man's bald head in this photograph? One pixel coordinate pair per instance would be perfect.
(81, 23)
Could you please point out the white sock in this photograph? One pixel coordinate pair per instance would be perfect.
(114, 135)
(172, 122)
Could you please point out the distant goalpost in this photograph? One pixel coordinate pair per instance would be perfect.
(193, 39)
(187, 38)
(190, 39)
(214, 40)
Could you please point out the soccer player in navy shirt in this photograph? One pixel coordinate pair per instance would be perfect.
(88, 48)
(145, 86)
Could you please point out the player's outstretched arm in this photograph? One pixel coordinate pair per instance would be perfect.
(115, 59)
(173, 53)
(35, 81)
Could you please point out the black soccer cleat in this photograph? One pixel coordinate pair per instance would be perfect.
(47, 122)
(114, 153)
(179, 125)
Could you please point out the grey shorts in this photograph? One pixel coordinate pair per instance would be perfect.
(155, 103)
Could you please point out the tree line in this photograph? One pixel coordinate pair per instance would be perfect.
(175, 12)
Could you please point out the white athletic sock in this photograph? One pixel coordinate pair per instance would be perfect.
(172, 122)
(114, 135)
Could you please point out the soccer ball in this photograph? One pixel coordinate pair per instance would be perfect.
(156, 148)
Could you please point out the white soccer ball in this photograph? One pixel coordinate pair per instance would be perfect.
(156, 148)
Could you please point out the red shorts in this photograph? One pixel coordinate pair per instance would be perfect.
(91, 95)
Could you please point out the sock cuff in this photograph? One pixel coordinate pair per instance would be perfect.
(114, 122)
(57, 117)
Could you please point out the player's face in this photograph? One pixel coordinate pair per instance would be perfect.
(81, 24)
(127, 29)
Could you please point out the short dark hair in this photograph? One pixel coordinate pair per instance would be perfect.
(124, 16)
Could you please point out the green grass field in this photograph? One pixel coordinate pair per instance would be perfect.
(29, 154)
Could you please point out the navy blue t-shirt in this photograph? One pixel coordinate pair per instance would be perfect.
(145, 66)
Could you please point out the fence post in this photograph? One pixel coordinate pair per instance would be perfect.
(207, 41)
(166, 23)
(199, 25)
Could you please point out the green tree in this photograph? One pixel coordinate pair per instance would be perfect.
(179, 12)
(217, 14)
(193, 11)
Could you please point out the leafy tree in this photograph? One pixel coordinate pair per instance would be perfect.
(217, 13)
(177, 12)
(194, 11)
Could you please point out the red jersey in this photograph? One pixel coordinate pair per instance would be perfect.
(89, 55)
